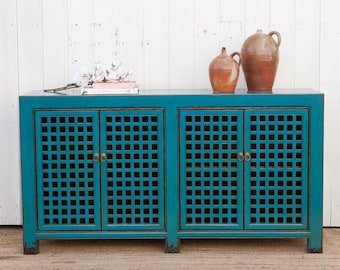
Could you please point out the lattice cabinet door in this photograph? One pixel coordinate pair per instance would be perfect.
(211, 176)
(132, 147)
(68, 178)
(276, 176)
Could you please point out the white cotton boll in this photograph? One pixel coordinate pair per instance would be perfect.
(106, 71)
(98, 74)
(98, 77)
(83, 77)
(84, 82)
(77, 78)
(84, 71)
(124, 75)
(111, 75)
(80, 80)
(129, 73)
(119, 70)
(97, 66)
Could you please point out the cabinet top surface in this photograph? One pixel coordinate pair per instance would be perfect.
(174, 92)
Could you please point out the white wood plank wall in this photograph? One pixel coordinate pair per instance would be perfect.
(169, 45)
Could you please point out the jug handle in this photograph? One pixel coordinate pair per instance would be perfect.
(239, 57)
(277, 34)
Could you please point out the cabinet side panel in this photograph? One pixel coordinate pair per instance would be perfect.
(31, 245)
(316, 175)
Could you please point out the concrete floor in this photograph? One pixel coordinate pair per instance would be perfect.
(149, 254)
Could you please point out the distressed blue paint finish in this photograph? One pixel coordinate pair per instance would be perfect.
(68, 186)
(316, 122)
(276, 177)
(171, 178)
(30, 242)
(172, 167)
(133, 169)
(211, 176)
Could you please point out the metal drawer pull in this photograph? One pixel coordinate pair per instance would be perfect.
(240, 156)
(247, 156)
(103, 157)
(96, 157)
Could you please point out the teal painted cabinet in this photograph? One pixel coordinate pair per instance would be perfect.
(172, 166)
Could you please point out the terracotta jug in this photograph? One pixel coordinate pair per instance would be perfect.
(224, 71)
(260, 58)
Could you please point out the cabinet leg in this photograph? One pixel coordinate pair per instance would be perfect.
(172, 247)
(314, 245)
(31, 248)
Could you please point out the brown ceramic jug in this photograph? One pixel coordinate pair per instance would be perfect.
(260, 59)
(223, 72)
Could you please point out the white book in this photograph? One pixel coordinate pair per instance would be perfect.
(109, 91)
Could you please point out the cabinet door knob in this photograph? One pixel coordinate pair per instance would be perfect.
(247, 156)
(96, 157)
(240, 156)
(103, 157)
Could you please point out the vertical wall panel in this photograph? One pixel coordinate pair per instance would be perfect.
(181, 43)
(80, 35)
(283, 21)
(131, 36)
(156, 43)
(54, 43)
(105, 25)
(257, 16)
(30, 45)
(232, 24)
(307, 49)
(206, 46)
(330, 85)
(10, 191)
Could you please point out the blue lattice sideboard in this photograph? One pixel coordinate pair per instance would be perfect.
(172, 166)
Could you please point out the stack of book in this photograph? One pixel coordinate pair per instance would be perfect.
(111, 88)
